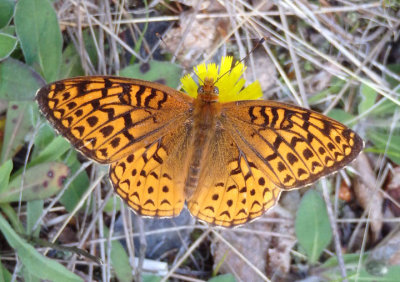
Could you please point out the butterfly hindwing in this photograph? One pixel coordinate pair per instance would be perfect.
(231, 188)
(106, 118)
(151, 179)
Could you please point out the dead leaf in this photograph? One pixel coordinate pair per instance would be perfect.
(194, 42)
(252, 246)
(270, 253)
(193, 3)
(388, 251)
(393, 189)
(345, 193)
(278, 262)
(268, 74)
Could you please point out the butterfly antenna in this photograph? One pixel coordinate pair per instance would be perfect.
(198, 77)
(261, 41)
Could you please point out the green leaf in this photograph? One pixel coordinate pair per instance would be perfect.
(342, 116)
(5, 172)
(151, 278)
(40, 36)
(11, 214)
(56, 150)
(348, 260)
(53, 151)
(336, 86)
(34, 211)
(312, 225)
(10, 30)
(40, 182)
(395, 68)
(71, 63)
(368, 98)
(35, 263)
(7, 45)
(120, 260)
(19, 123)
(90, 42)
(223, 278)
(45, 135)
(5, 275)
(385, 108)
(370, 271)
(380, 140)
(29, 277)
(79, 185)
(6, 12)
(161, 72)
(391, 273)
(109, 207)
(18, 81)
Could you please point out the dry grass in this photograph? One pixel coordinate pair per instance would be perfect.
(308, 45)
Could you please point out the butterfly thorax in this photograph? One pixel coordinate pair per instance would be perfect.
(206, 113)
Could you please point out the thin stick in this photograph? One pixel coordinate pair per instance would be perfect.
(189, 251)
(336, 238)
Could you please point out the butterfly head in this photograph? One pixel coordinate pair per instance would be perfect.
(208, 92)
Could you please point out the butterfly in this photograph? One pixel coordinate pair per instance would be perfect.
(228, 159)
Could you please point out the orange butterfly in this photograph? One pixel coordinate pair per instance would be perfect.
(229, 159)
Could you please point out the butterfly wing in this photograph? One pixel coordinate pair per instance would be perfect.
(292, 146)
(151, 179)
(231, 190)
(261, 147)
(107, 118)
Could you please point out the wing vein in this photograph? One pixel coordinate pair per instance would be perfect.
(259, 156)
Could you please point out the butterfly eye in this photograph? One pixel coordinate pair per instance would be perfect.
(215, 90)
(200, 90)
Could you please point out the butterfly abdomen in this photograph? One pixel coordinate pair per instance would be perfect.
(205, 118)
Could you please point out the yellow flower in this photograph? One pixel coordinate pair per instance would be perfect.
(228, 80)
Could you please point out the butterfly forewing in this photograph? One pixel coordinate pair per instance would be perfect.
(292, 146)
(106, 118)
